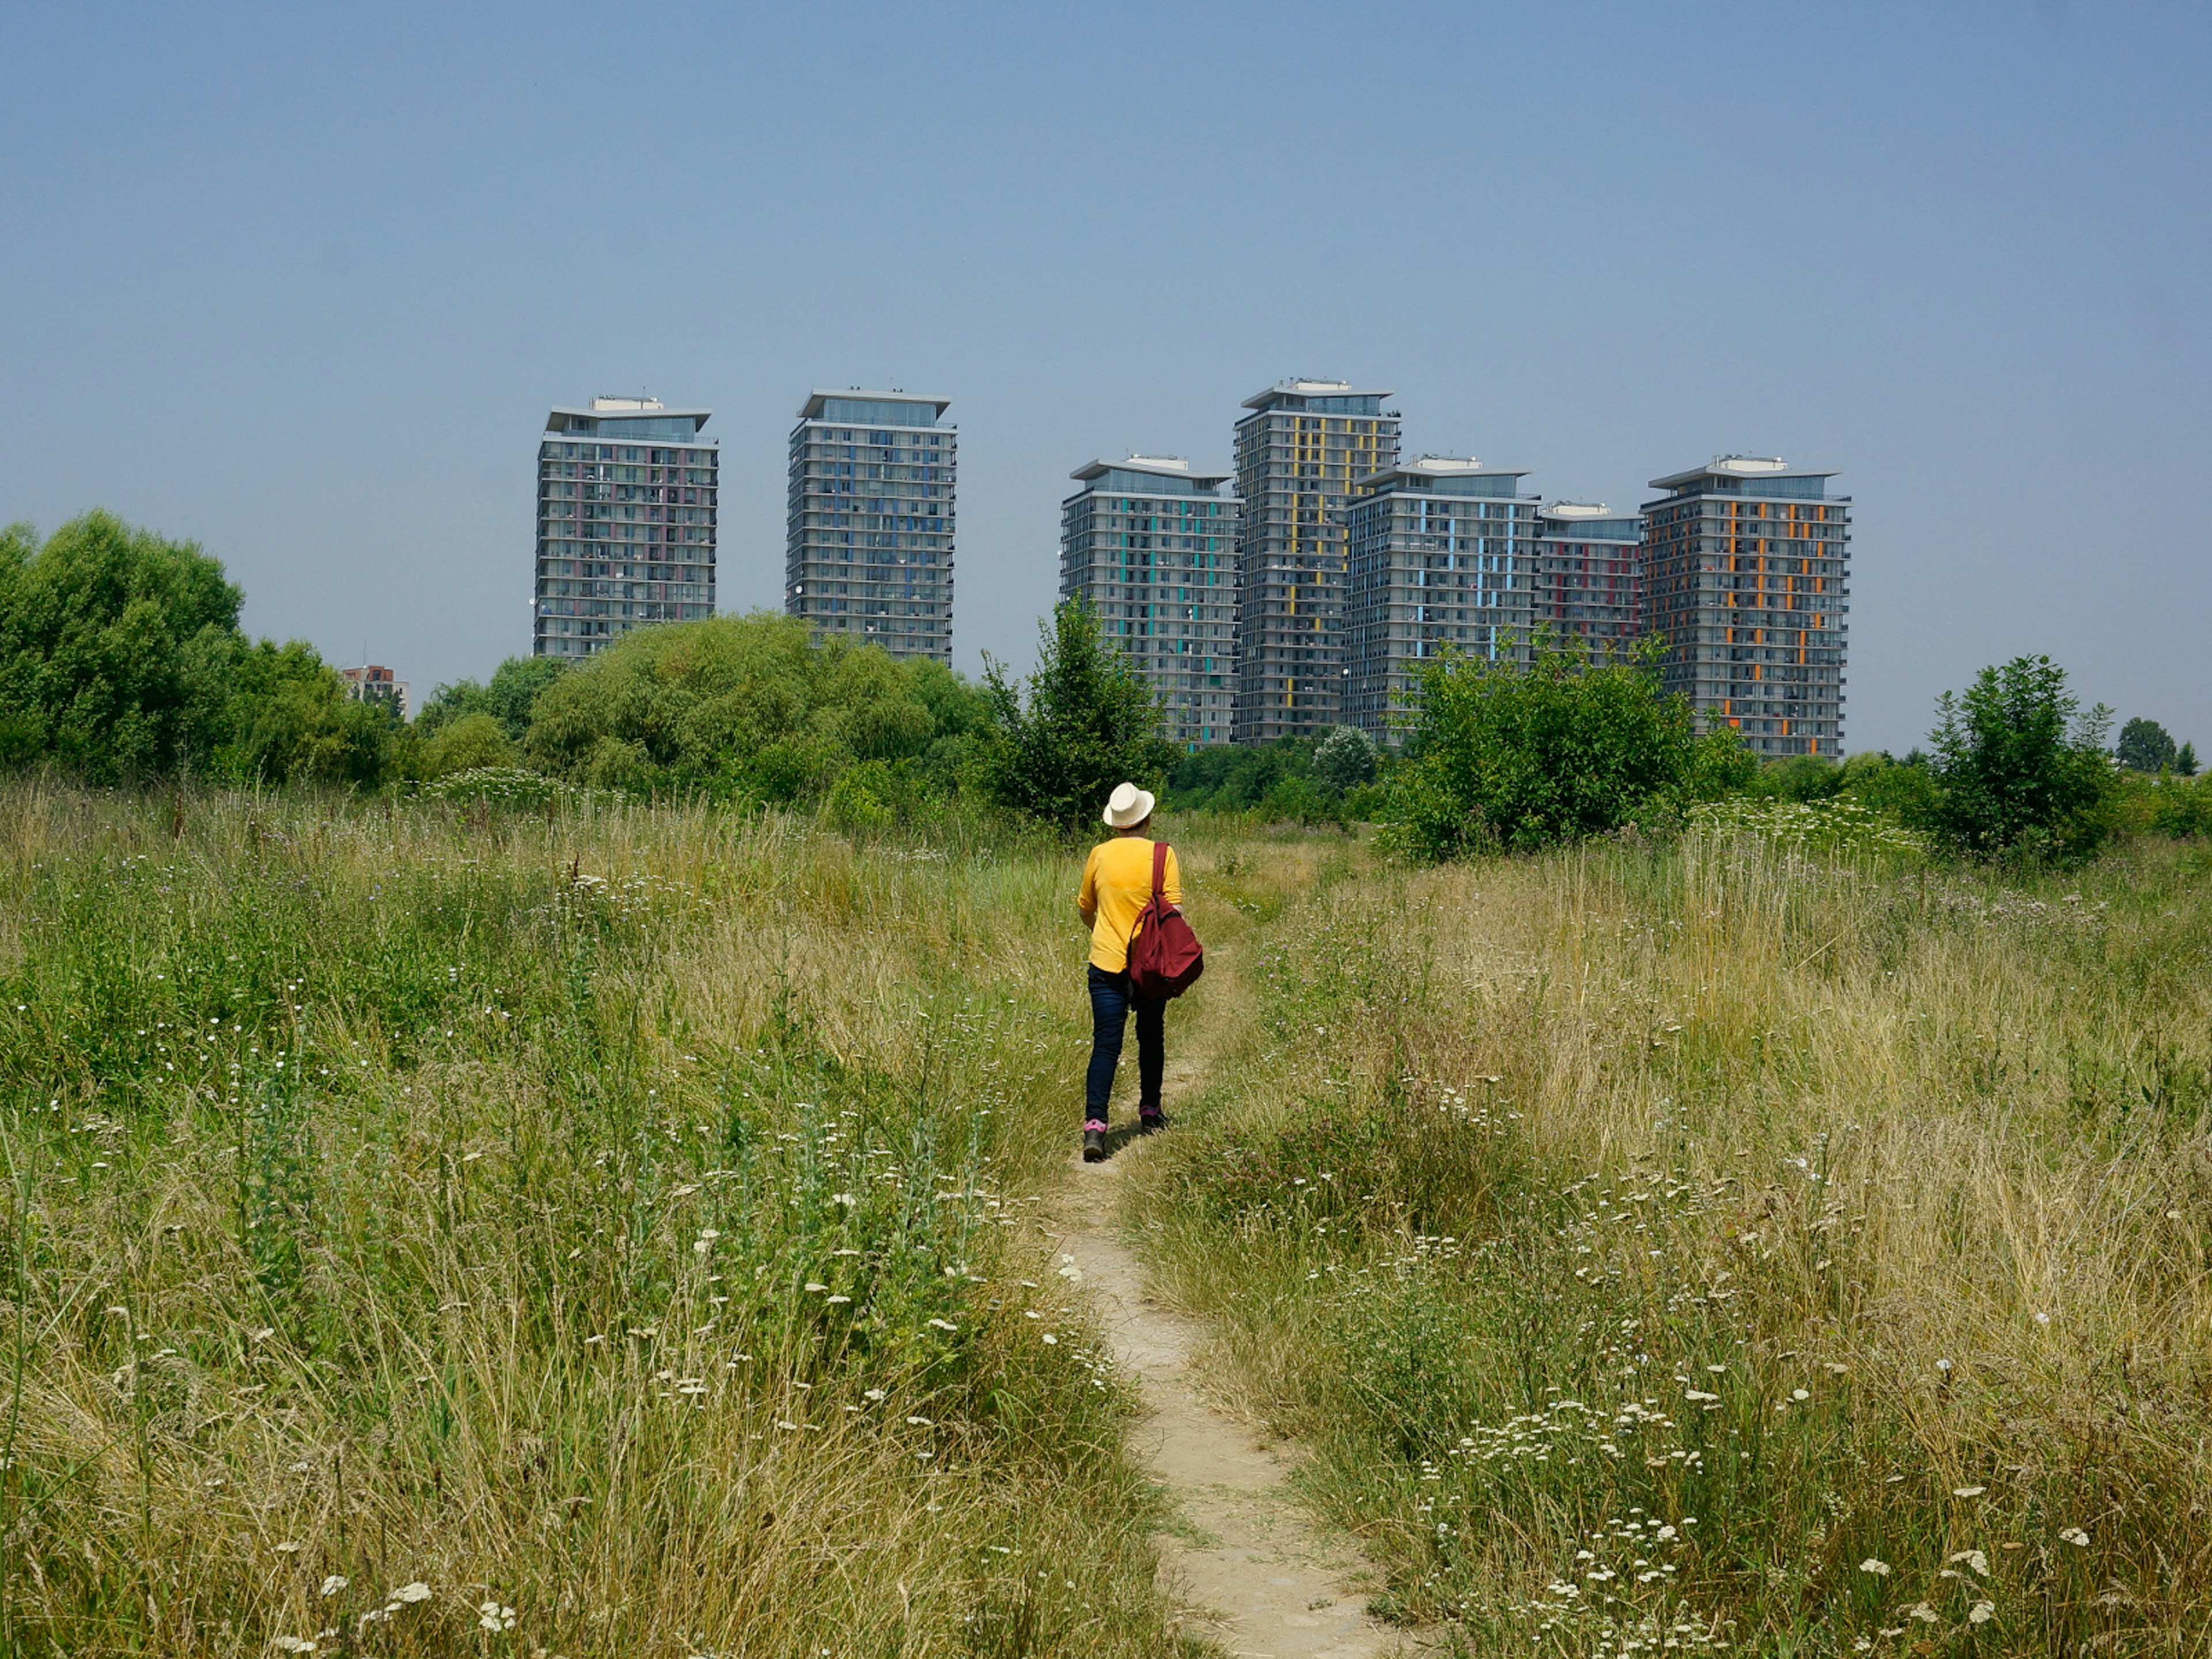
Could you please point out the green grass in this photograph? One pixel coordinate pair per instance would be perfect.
(619, 1218)
(1648, 1241)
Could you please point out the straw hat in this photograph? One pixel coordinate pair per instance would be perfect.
(1130, 805)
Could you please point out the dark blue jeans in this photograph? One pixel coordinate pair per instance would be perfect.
(1111, 1003)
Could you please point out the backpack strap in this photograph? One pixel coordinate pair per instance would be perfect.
(1159, 869)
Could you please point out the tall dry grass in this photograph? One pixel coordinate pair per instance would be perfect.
(1707, 1245)
(600, 1234)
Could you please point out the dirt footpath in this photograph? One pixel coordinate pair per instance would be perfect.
(1247, 1567)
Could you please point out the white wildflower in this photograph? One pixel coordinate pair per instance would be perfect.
(1981, 1612)
(1872, 1565)
(2075, 1535)
(1968, 1491)
(417, 1591)
(334, 1583)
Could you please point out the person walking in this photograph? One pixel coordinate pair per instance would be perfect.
(1117, 884)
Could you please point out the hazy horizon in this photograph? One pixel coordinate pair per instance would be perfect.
(302, 286)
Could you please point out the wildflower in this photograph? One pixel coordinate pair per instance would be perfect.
(292, 1645)
(1943, 1365)
(494, 1617)
(840, 1298)
(1974, 1559)
(1923, 1612)
(334, 1583)
(873, 1393)
(945, 1324)
(1799, 1394)
(2075, 1535)
(1050, 1338)
(921, 1422)
(845, 1199)
(1981, 1612)
(1968, 1491)
(1872, 1565)
(417, 1591)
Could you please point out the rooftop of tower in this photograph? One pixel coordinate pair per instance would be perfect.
(819, 398)
(1296, 392)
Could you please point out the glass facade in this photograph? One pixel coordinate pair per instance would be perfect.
(1747, 581)
(626, 516)
(1589, 575)
(869, 521)
(1441, 555)
(1299, 452)
(1153, 546)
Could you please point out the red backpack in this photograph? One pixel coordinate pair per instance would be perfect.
(1165, 957)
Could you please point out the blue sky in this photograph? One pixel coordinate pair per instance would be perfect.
(301, 283)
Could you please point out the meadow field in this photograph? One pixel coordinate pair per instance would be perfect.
(617, 1229)
(441, 1230)
(1701, 1245)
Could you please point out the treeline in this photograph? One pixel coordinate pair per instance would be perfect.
(122, 662)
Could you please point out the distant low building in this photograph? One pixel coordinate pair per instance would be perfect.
(371, 684)
(869, 521)
(1441, 555)
(1747, 579)
(1153, 546)
(1589, 576)
(626, 517)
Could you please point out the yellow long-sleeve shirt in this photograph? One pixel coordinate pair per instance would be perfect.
(1117, 884)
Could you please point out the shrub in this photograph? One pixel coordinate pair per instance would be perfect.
(1085, 721)
(509, 699)
(1519, 757)
(470, 743)
(1801, 777)
(747, 706)
(2021, 768)
(1224, 778)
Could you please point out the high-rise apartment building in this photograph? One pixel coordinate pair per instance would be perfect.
(1298, 453)
(1748, 578)
(869, 525)
(1589, 575)
(1153, 546)
(626, 491)
(1440, 552)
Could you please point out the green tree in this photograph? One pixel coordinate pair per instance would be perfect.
(2021, 768)
(1344, 759)
(510, 698)
(2144, 746)
(112, 643)
(289, 721)
(1085, 721)
(1518, 757)
(2184, 761)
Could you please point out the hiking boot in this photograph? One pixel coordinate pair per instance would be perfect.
(1094, 1142)
(1148, 1121)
